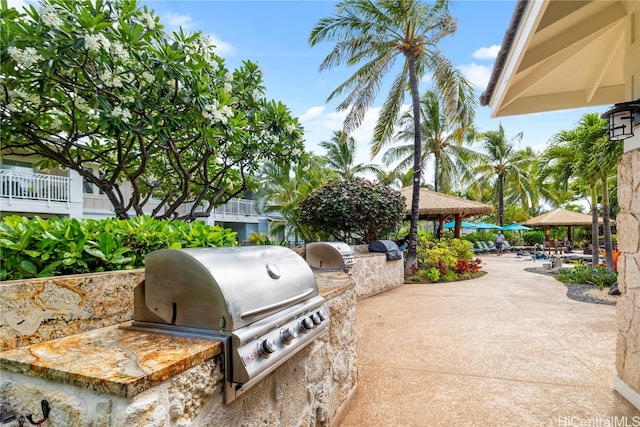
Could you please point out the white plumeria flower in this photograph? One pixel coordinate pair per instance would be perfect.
(148, 21)
(119, 50)
(147, 77)
(24, 58)
(291, 128)
(296, 152)
(255, 95)
(49, 16)
(93, 42)
(227, 87)
(123, 113)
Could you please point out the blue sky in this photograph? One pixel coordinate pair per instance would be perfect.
(275, 35)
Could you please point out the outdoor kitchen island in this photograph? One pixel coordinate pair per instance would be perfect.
(116, 377)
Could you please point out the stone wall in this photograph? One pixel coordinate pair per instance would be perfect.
(310, 389)
(38, 310)
(374, 274)
(628, 307)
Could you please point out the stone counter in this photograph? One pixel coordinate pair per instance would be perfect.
(373, 274)
(39, 310)
(114, 377)
(110, 360)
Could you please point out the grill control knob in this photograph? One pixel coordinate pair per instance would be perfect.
(316, 319)
(287, 335)
(267, 347)
(307, 324)
(322, 314)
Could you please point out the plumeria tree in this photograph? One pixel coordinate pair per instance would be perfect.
(169, 125)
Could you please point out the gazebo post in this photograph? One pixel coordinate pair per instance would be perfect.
(441, 225)
(547, 237)
(458, 226)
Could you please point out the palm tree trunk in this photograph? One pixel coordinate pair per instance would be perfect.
(594, 226)
(435, 173)
(501, 200)
(412, 254)
(606, 225)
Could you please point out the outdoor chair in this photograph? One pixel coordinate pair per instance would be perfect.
(506, 247)
(478, 248)
(488, 247)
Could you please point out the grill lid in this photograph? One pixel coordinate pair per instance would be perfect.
(223, 289)
(330, 256)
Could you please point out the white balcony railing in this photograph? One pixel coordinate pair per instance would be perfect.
(242, 207)
(36, 186)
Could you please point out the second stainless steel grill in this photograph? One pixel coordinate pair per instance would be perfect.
(262, 302)
(330, 256)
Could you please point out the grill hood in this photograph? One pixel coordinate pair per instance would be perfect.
(225, 289)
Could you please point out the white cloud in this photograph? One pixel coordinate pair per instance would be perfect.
(479, 75)
(18, 4)
(175, 21)
(490, 52)
(222, 48)
(319, 125)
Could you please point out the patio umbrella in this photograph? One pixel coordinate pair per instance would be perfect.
(487, 226)
(515, 227)
(463, 224)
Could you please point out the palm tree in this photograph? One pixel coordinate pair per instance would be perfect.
(443, 136)
(284, 186)
(603, 161)
(373, 35)
(500, 160)
(565, 167)
(341, 153)
(556, 175)
(584, 156)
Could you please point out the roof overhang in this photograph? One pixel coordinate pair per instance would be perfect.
(559, 54)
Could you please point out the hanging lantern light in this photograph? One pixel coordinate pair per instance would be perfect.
(622, 118)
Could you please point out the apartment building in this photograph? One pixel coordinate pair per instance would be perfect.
(27, 191)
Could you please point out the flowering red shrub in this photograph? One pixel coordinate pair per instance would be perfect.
(442, 267)
(462, 266)
(414, 268)
(475, 265)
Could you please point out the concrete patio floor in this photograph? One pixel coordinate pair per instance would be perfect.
(508, 349)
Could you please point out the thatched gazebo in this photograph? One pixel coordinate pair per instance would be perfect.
(441, 207)
(561, 218)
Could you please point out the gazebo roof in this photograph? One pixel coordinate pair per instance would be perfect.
(434, 204)
(561, 217)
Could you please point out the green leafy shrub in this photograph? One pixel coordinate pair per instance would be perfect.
(598, 276)
(532, 237)
(433, 274)
(353, 208)
(41, 248)
(461, 248)
(451, 259)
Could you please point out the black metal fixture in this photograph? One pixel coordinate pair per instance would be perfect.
(622, 118)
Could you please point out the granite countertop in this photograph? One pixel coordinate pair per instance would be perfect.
(124, 362)
(111, 360)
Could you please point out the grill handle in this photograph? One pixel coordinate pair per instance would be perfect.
(273, 307)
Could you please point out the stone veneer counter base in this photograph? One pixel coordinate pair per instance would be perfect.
(111, 360)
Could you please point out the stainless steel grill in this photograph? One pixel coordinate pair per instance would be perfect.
(330, 256)
(262, 302)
